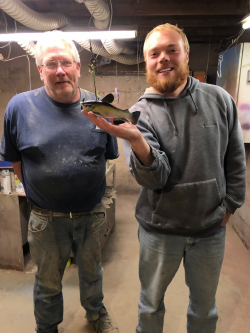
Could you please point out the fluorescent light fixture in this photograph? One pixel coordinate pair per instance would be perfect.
(246, 22)
(72, 35)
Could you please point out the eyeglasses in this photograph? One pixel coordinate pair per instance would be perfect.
(51, 65)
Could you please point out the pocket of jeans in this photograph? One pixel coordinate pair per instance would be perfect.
(189, 205)
(100, 218)
(37, 223)
(99, 224)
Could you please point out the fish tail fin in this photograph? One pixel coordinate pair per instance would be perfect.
(134, 117)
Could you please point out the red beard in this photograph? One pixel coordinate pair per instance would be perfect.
(168, 84)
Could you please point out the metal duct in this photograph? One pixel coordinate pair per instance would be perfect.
(28, 17)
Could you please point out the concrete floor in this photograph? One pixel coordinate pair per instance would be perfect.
(121, 286)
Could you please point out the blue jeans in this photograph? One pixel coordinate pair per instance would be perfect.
(160, 258)
(51, 241)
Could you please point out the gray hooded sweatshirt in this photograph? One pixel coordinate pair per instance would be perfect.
(199, 169)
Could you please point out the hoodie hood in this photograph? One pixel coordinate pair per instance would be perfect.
(192, 84)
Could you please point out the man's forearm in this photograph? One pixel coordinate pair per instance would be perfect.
(143, 152)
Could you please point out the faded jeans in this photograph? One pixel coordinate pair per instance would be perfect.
(160, 258)
(50, 246)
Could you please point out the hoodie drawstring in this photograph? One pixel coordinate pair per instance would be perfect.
(165, 105)
(196, 108)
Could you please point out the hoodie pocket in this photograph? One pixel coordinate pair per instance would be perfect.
(189, 205)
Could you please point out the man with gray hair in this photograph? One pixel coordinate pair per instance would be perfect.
(60, 157)
(187, 153)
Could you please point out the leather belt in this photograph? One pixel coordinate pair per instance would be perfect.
(46, 212)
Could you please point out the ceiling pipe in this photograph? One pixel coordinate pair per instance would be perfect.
(28, 17)
(115, 48)
(100, 12)
(98, 48)
(101, 18)
(29, 47)
(51, 21)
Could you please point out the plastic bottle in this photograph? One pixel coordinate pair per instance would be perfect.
(19, 185)
(116, 95)
(6, 182)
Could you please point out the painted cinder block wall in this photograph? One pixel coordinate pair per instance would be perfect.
(14, 78)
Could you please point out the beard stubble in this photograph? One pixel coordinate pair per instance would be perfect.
(168, 84)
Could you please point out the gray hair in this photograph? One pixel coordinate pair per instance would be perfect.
(55, 37)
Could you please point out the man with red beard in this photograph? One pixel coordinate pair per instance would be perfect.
(188, 155)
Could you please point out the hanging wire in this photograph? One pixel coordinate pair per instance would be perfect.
(208, 56)
(236, 39)
(9, 44)
(92, 67)
(219, 74)
(239, 34)
(138, 52)
(93, 59)
(24, 55)
(6, 29)
(29, 70)
(111, 14)
(110, 22)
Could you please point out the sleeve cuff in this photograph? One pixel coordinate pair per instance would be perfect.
(140, 166)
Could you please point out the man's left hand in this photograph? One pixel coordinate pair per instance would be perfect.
(226, 218)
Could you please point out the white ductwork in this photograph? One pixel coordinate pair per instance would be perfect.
(115, 48)
(127, 59)
(100, 12)
(29, 47)
(98, 48)
(51, 21)
(110, 49)
(28, 17)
